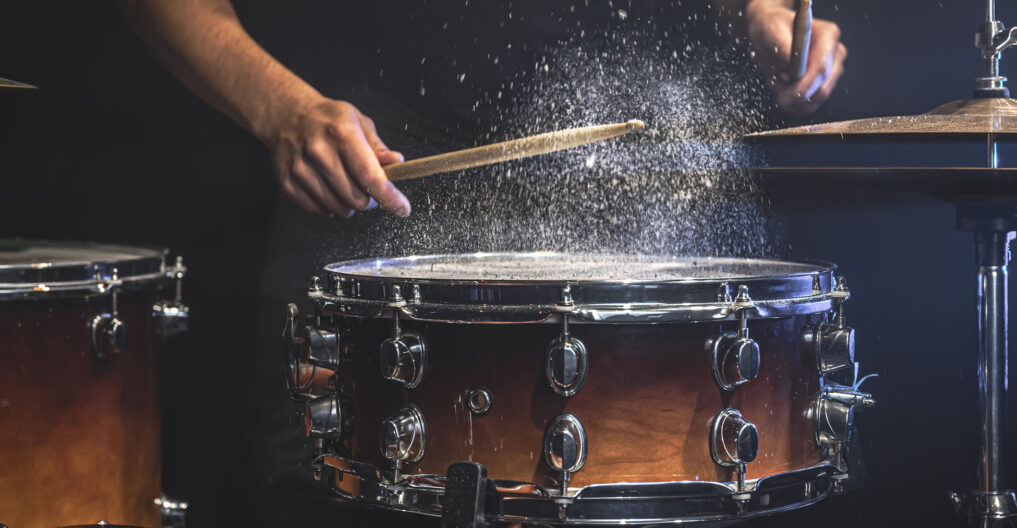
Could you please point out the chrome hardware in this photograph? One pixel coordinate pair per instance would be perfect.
(734, 355)
(404, 437)
(403, 357)
(357, 293)
(109, 333)
(173, 512)
(566, 365)
(479, 400)
(173, 315)
(835, 413)
(734, 442)
(832, 345)
(565, 447)
(999, 507)
(312, 357)
(323, 417)
(624, 503)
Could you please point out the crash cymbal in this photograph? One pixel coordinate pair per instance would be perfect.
(7, 83)
(965, 117)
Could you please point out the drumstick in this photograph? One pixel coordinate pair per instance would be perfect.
(508, 150)
(801, 39)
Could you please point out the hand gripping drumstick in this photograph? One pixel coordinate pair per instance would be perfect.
(801, 38)
(508, 150)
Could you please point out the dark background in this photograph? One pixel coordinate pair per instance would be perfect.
(113, 149)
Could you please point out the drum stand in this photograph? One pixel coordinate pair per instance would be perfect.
(994, 224)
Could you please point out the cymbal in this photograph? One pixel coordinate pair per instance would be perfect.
(7, 83)
(965, 117)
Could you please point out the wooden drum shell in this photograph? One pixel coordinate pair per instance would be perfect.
(647, 403)
(80, 437)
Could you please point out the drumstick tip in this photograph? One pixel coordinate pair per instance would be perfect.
(635, 124)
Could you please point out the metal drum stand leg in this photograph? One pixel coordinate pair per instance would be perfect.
(991, 505)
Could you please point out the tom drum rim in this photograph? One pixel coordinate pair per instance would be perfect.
(37, 269)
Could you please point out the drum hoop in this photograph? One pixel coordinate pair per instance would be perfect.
(601, 301)
(609, 503)
(83, 278)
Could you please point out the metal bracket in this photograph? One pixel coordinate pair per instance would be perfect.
(173, 315)
(462, 505)
(108, 332)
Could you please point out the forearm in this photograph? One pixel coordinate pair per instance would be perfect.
(203, 43)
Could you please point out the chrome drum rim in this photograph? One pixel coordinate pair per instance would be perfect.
(363, 288)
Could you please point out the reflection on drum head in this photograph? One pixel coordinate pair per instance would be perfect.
(550, 266)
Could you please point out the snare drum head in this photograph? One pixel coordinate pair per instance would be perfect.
(36, 269)
(569, 267)
(530, 287)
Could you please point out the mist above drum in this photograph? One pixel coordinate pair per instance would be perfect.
(572, 383)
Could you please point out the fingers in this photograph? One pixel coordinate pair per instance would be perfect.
(825, 67)
(315, 187)
(301, 198)
(824, 47)
(325, 161)
(385, 156)
(824, 91)
(361, 162)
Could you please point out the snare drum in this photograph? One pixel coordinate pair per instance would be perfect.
(580, 388)
(80, 432)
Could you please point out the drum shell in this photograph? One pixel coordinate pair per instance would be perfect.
(647, 403)
(80, 436)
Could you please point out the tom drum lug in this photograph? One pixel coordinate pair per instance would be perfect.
(323, 417)
(565, 447)
(734, 442)
(173, 314)
(403, 437)
(567, 363)
(735, 356)
(108, 331)
(312, 356)
(403, 357)
(834, 420)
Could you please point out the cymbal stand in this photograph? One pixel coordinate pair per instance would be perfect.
(994, 224)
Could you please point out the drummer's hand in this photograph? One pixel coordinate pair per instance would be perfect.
(328, 159)
(770, 29)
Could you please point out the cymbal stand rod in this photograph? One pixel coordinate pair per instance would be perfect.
(991, 505)
(993, 151)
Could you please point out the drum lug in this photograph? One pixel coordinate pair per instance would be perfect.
(172, 511)
(832, 344)
(403, 438)
(312, 356)
(565, 447)
(109, 333)
(173, 315)
(325, 417)
(566, 364)
(834, 420)
(734, 442)
(734, 358)
(403, 357)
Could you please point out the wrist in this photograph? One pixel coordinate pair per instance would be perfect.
(269, 117)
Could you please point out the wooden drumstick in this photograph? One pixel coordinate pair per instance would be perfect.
(801, 38)
(508, 150)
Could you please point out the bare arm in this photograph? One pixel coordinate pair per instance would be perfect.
(768, 24)
(327, 154)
